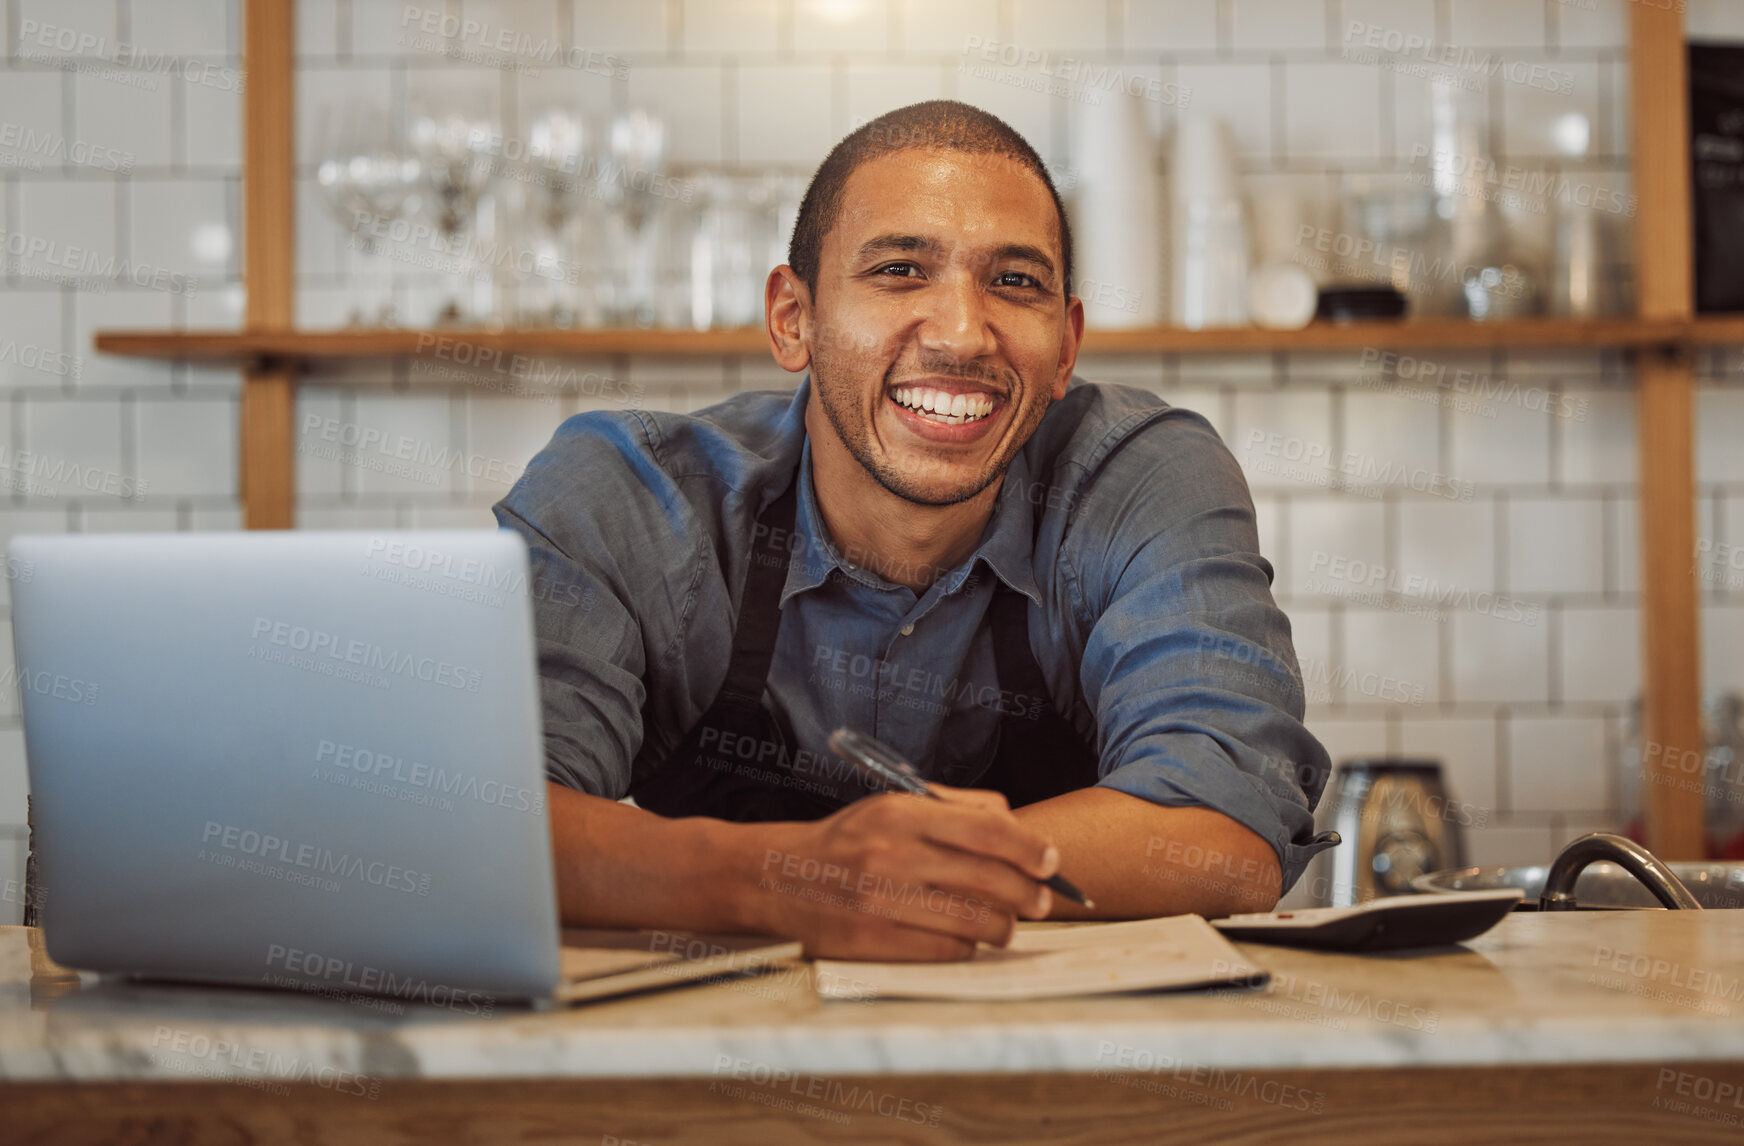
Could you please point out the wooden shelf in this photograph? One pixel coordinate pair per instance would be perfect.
(1411, 334)
(1717, 330)
(1405, 334)
(318, 345)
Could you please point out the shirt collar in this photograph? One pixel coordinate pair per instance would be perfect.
(1008, 546)
(810, 563)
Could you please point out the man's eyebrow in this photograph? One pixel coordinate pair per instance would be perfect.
(1025, 253)
(912, 244)
(897, 244)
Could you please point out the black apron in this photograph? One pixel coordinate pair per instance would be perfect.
(735, 763)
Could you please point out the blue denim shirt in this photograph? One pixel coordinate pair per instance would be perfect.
(1125, 521)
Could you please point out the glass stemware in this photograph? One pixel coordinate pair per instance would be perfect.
(631, 181)
(458, 158)
(369, 184)
(578, 226)
(560, 193)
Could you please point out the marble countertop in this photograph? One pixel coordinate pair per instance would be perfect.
(1560, 988)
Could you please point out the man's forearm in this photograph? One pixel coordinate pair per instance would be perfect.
(619, 866)
(1137, 859)
(888, 877)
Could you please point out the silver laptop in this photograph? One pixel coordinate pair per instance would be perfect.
(301, 760)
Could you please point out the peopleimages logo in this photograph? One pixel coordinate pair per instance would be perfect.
(46, 474)
(1368, 583)
(859, 674)
(411, 776)
(85, 263)
(44, 683)
(490, 580)
(135, 65)
(284, 641)
(48, 145)
(265, 847)
(422, 459)
(836, 1093)
(312, 969)
(55, 362)
(239, 1064)
(475, 39)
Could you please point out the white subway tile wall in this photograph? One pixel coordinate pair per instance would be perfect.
(1076, 26)
(1168, 26)
(1497, 23)
(785, 115)
(1331, 111)
(1548, 765)
(928, 27)
(832, 26)
(120, 156)
(1266, 25)
(1460, 561)
(1715, 19)
(1406, 17)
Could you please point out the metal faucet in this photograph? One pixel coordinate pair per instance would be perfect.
(1558, 892)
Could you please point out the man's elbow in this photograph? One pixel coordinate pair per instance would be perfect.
(1232, 871)
(1253, 884)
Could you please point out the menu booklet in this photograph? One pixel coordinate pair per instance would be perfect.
(1056, 962)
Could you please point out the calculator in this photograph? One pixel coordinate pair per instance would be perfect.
(1380, 924)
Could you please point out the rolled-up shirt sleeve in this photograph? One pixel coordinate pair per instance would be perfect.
(584, 506)
(1188, 664)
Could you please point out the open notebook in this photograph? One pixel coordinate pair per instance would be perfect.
(1042, 962)
(1055, 962)
(601, 964)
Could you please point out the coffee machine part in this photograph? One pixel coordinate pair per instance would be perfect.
(1398, 824)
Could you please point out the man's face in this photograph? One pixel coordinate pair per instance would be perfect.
(939, 332)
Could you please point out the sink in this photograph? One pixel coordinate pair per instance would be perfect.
(1601, 885)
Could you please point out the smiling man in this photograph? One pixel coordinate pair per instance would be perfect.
(1045, 593)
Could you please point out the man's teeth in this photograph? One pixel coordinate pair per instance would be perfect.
(941, 406)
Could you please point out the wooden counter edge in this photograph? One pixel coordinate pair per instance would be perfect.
(1587, 1103)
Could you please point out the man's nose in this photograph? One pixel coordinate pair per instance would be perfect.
(954, 322)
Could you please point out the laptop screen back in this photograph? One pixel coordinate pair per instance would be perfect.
(295, 759)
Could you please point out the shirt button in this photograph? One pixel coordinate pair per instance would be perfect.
(907, 629)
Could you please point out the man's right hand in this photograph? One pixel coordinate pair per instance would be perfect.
(896, 876)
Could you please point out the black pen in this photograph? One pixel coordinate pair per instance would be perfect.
(880, 764)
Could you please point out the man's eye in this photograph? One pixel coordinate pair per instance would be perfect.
(899, 270)
(1017, 279)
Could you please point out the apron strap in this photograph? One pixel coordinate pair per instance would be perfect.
(1040, 754)
(760, 603)
(735, 762)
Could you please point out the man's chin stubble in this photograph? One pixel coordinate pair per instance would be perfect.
(893, 482)
(899, 485)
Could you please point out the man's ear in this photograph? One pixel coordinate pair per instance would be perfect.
(787, 317)
(1071, 339)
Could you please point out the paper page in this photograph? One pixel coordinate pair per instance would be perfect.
(676, 972)
(1094, 959)
(590, 952)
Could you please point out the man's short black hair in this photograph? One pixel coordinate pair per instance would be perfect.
(943, 124)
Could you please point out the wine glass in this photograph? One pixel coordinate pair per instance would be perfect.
(457, 154)
(557, 194)
(628, 177)
(368, 181)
